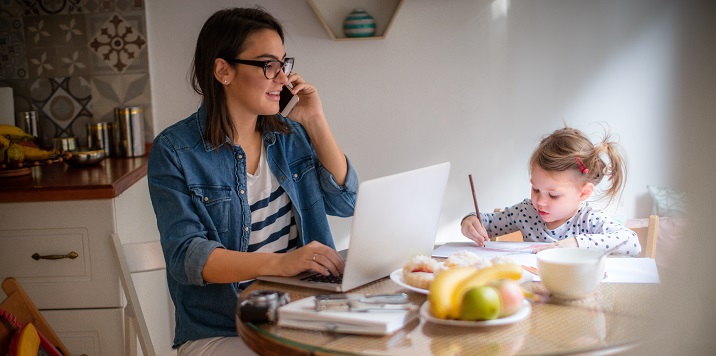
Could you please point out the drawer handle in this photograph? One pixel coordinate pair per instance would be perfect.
(72, 255)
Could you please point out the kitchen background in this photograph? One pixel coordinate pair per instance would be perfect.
(74, 61)
(475, 82)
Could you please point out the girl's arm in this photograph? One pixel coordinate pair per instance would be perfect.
(493, 224)
(603, 233)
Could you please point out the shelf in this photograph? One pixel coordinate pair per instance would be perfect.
(331, 13)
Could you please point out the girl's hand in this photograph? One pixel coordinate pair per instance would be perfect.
(473, 230)
(314, 256)
(309, 110)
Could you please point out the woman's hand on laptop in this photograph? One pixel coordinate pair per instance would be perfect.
(314, 256)
(473, 230)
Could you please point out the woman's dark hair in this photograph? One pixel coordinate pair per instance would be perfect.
(223, 36)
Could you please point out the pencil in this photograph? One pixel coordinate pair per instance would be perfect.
(474, 199)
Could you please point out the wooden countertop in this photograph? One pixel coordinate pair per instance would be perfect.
(60, 181)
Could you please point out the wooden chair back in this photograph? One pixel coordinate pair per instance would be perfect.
(19, 304)
(648, 236)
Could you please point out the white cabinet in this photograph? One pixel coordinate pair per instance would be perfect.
(81, 297)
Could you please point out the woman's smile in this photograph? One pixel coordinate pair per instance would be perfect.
(274, 95)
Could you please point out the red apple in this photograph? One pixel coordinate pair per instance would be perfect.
(511, 296)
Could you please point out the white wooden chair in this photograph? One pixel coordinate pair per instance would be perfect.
(136, 258)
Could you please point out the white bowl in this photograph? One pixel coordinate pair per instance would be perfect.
(570, 272)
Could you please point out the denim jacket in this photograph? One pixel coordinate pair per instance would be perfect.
(199, 197)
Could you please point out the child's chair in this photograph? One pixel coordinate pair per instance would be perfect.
(20, 306)
(647, 230)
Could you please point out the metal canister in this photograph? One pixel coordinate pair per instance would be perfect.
(27, 121)
(99, 137)
(129, 132)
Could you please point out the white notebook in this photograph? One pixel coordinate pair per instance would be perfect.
(302, 314)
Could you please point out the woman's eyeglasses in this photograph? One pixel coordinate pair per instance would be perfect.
(271, 68)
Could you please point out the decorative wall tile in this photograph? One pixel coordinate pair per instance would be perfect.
(62, 58)
(110, 91)
(52, 7)
(36, 30)
(11, 8)
(13, 62)
(102, 6)
(117, 42)
(64, 105)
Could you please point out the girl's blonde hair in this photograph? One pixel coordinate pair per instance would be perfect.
(567, 149)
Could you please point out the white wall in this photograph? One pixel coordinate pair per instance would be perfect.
(460, 80)
(467, 83)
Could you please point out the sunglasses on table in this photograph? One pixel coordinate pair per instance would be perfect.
(271, 67)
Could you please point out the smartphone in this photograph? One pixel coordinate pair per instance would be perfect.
(287, 101)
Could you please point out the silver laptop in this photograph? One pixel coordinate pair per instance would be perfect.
(395, 218)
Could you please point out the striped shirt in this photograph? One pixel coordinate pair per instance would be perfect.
(273, 226)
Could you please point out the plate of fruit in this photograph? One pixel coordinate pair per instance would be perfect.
(19, 153)
(465, 296)
(520, 315)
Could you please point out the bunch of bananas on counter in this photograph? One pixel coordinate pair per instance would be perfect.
(18, 148)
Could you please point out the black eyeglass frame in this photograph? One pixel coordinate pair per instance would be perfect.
(286, 65)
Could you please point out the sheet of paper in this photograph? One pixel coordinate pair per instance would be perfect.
(491, 249)
(619, 269)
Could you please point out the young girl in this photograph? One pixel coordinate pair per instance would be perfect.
(564, 170)
(240, 191)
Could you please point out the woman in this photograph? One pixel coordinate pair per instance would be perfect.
(240, 191)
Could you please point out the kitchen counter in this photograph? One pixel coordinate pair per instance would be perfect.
(60, 181)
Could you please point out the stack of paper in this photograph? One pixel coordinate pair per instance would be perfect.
(302, 314)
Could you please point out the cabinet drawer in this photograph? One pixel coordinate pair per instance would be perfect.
(89, 332)
(58, 228)
(18, 247)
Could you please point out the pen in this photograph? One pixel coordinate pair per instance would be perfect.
(474, 200)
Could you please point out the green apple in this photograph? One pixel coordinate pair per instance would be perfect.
(480, 303)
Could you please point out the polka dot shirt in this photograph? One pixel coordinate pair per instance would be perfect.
(592, 228)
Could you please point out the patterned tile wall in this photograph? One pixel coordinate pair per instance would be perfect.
(74, 61)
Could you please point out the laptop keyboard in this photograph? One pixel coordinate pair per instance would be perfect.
(324, 279)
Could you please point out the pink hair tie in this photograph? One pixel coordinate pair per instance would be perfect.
(582, 167)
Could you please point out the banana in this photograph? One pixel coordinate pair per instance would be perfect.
(478, 278)
(4, 142)
(442, 287)
(15, 133)
(14, 154)
(27, 153)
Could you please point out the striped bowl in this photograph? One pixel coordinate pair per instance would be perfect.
(359, 24)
